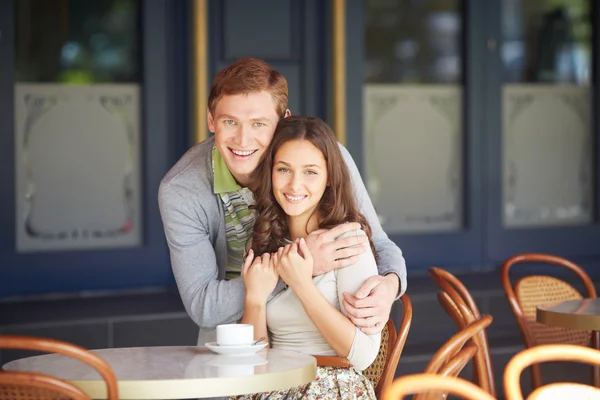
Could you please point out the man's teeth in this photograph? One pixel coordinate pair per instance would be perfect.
(297, 198)
(242, 153)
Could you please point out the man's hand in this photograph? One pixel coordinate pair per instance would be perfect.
(369, 309)
(329, 254)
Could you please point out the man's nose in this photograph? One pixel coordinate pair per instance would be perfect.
(243, 138)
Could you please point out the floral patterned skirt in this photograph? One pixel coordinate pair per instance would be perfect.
(331, 384)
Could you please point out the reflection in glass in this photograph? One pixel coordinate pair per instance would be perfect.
(413, 42)
(547, 140)
(412, 113)
(77, 41)
(547, 41)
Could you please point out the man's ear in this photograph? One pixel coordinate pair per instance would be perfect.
(287, 113)
(210, 120)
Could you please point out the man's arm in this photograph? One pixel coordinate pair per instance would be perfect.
(390, 256)
(208, 300)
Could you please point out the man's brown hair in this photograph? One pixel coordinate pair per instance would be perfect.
(249, 75)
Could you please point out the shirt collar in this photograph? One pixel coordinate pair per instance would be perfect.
(224, 181)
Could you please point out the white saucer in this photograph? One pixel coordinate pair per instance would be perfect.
(235, 350)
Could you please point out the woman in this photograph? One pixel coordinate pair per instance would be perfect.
(303, 185)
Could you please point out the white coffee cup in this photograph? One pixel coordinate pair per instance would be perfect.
(235, 334)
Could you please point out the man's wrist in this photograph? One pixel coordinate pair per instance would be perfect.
(395, 280)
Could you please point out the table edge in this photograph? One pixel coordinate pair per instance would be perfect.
(566, 320)
(202, 387)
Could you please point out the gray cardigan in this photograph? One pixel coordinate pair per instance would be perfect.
(194, 225)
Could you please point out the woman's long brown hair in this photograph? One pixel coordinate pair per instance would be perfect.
(338, 204)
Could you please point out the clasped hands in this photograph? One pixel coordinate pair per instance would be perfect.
(321, 251)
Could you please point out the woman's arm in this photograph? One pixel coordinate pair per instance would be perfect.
(255, 313)
(260, 278)
(365, 346)
(339, 332)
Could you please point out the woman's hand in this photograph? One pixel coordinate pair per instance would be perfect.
(294, 264)
(260, 277)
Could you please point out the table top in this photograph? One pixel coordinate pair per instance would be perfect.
(179, 372)
(581, 314)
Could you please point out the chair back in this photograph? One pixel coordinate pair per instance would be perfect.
(457, 301)
(381, 372)
(452, 357)
(419, 383)
(545, 353)
(30, 386)
(530, 291)
(19, 385)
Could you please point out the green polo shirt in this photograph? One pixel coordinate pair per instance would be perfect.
(239, 219)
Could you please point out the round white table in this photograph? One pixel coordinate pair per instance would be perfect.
(179, 372)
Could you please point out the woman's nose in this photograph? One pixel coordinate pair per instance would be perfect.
(295, 181)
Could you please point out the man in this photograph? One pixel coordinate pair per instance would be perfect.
(204, 203)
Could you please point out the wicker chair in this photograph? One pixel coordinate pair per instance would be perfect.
(18, 385)
(381, 372)
(545, 353)
(452, 357)
(532, 290)
(459, 304)
(426, 382)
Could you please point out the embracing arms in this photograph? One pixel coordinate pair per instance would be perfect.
(208, 300)
(294, 265)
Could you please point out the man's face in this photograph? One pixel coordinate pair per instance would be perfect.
(243, 125)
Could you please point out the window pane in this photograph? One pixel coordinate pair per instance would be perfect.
(77, 124)
(77, 41)
(413, 114)
(547, 41)
(547, 130)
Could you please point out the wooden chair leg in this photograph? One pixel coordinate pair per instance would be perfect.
(595, 368)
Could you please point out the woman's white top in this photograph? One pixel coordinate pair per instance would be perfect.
(292, 329)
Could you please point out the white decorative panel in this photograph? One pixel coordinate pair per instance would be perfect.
(77, 162)
(547, 155)
(413, 155)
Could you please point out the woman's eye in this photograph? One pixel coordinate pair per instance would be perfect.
(282, 169)
(310, 172)
(260, 124)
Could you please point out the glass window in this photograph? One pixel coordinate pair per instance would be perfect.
(546, 111)
(77, 41)
(413, 128)
(77, 124)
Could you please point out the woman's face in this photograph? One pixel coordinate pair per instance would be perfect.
(299, 177)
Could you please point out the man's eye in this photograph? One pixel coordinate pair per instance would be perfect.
(229, 122)
(260, 124)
